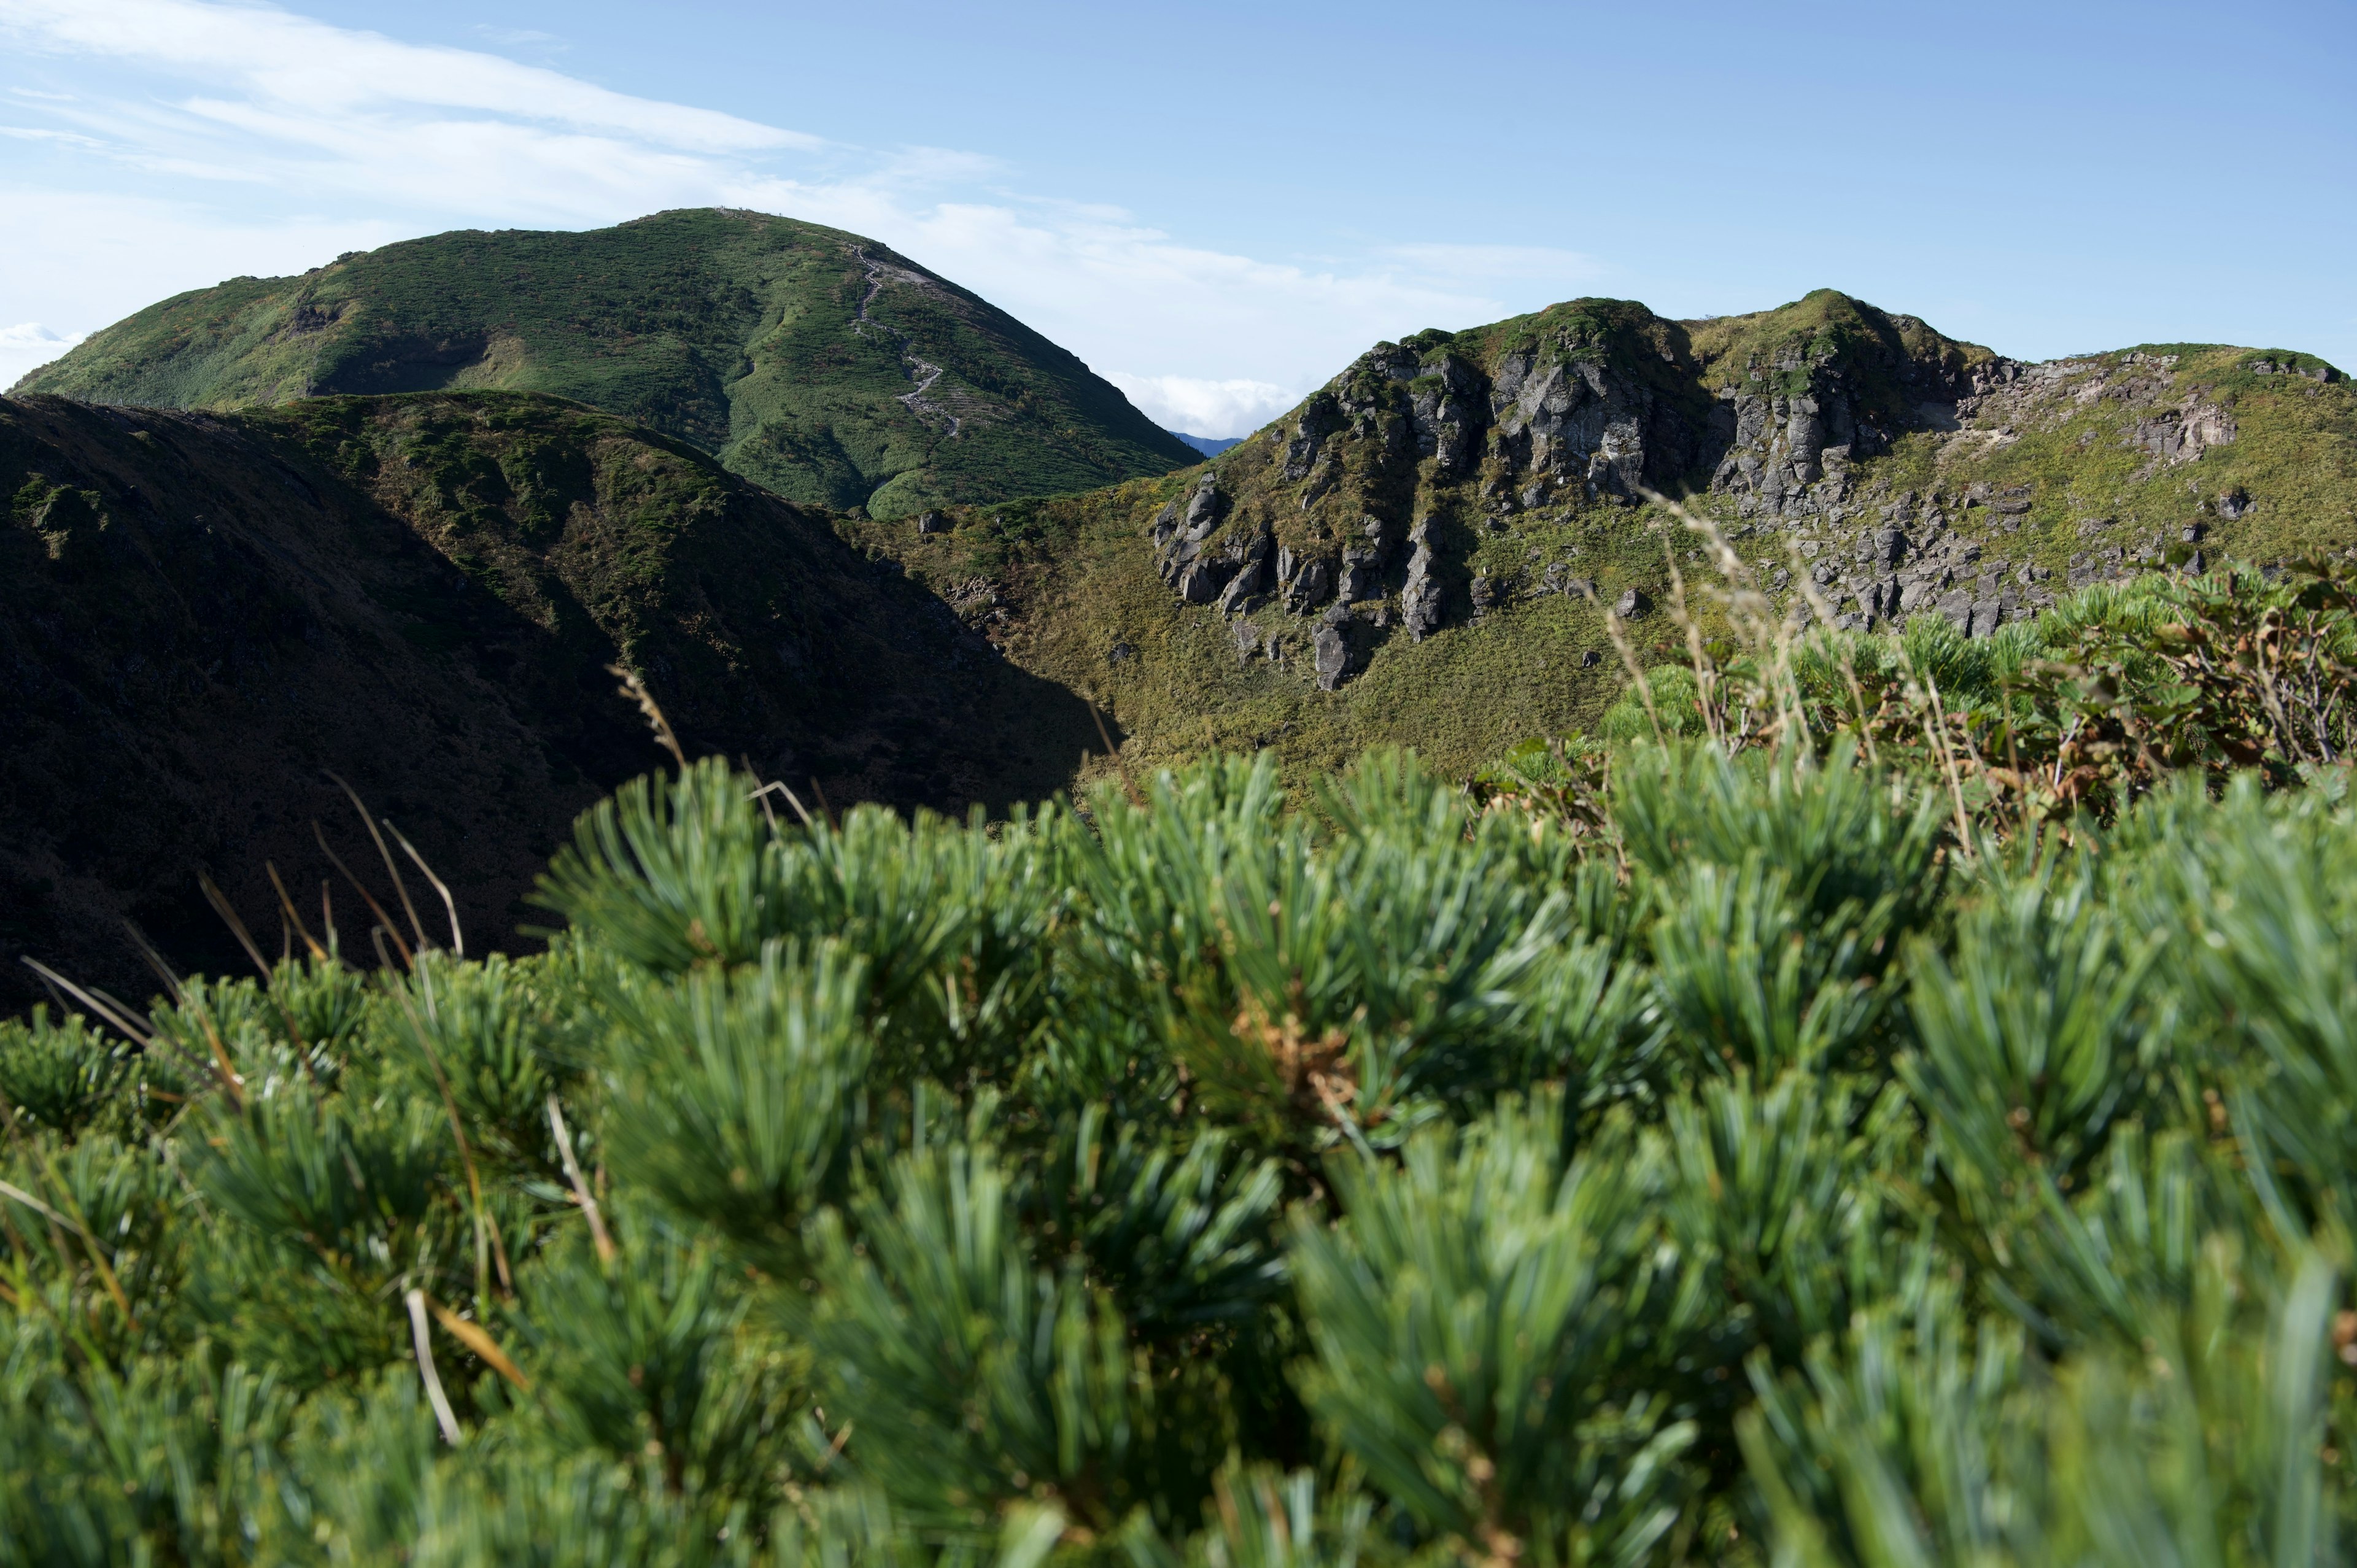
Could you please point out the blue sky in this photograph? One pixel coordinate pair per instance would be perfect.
(1217, 206)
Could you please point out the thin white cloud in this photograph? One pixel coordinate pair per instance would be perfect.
(238, 134)
(27, 346)
(293, 60)
(1203, 407)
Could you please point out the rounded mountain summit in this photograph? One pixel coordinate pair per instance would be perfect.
(813, 361)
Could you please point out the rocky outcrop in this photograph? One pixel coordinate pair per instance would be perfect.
(1420, 599)
(1585, 407)
(1788, 447)
(2181, 435)
(1573, 420)
(1330, 647)
(1179, 538)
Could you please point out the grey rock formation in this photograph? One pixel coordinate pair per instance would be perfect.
(1632, 604)
(1320, 417)
(931, 522)
(1311, 582)
(1420, 599)
(1200, 581)
(1244, 590)
(1205, 507)
(1331, 654)
(2181, 435)
(1484, 593)
(1178, 545)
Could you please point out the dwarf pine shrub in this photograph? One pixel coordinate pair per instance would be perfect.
(1735, 1153)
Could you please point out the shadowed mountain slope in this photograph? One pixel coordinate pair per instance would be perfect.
(202, 614)
(814, 361)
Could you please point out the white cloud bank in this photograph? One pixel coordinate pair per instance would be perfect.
(196, 140)
(1201, 407)
(27, 346)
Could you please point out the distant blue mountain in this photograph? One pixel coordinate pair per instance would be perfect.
(1208, 445)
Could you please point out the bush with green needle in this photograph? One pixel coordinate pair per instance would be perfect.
(1727, 1150)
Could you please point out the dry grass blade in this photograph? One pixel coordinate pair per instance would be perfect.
(581, 1192)
(1705, 671)
(472, 1336)
(8, 1189)
(421, 1341)
(120, 1017)
(228, 912)
(227, 1071)
(295, 920)
(819, 790)
(449, 905)
(383, 920)
(73, 1220)
(1939, 722)
(392, 870)
(762, 795)
(1759, 627)
(155, 963)
(636, 689)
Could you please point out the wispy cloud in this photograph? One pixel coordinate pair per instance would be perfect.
(310, 66)
(27, 346)
(1201, 407)
(306, 132)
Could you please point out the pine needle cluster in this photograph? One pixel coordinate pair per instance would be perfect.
(1741, 1151)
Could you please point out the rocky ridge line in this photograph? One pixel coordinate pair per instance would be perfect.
(1439, 442)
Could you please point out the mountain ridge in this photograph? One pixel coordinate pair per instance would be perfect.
(1422, 552)
(1419, 553)
(819, 363)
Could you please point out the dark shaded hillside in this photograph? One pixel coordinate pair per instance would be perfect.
(198, 615)
(815, 361)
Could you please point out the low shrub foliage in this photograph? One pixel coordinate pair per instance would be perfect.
(1752, 1145)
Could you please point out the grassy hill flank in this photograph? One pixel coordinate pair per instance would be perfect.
(814, 361)
(1900, 472)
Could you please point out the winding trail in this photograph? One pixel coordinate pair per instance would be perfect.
(921, 372)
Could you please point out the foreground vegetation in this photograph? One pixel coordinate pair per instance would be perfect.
(1908, 1118)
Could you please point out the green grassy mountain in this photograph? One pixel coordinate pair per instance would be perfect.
(1422, 553)
(815, 362)
(202, 615)
(1409, 556)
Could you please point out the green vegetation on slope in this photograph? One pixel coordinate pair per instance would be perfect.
(816, 362)
(1774, 1170)
(421, 592)
(2002, 480)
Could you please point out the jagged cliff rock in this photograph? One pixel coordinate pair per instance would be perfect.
(1380, 490)
(1401, 561)
(1369, 492)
